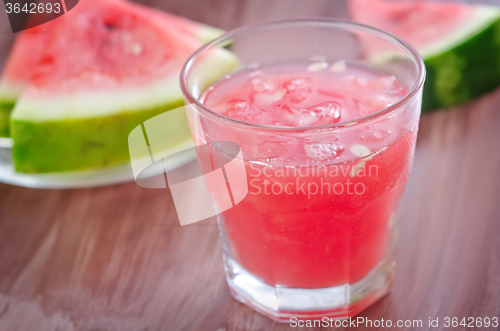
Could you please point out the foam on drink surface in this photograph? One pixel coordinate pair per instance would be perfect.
(302, 95)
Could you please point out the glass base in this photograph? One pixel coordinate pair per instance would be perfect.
(280, 303)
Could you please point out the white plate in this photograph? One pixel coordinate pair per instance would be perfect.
(81, 179)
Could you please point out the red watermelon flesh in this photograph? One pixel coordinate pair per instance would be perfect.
(25, 55)
(421, 23)
(111, 45)
(202, 32)
(30, 44)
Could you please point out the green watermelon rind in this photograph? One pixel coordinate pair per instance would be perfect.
(90, 143)
(5, 111)
(8, 96)
(467, 70)
(58, 141)
(208, 33)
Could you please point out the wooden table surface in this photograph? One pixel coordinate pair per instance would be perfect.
(116, 258)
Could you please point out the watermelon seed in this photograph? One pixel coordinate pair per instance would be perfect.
(109, 26)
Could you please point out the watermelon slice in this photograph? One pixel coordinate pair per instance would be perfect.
(107, 67)
(21, 63)
(459, 44)
(29, 47)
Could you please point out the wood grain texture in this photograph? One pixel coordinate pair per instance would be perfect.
(116, 258)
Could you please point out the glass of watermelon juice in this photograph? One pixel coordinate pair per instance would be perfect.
(326, 116)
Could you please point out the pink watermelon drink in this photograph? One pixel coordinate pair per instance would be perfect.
(327, 142)
(310, 195)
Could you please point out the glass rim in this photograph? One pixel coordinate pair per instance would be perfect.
(417, 86)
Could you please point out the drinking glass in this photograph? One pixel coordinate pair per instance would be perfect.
(309, 240)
